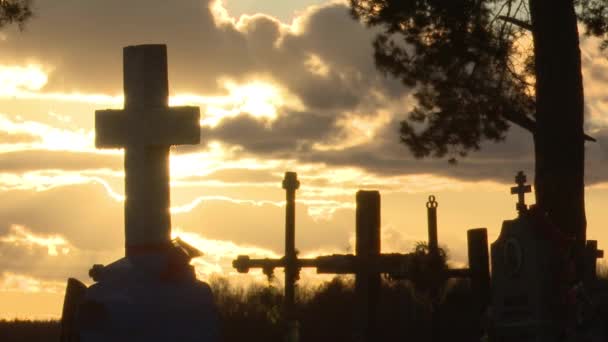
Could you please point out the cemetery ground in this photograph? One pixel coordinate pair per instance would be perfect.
(325, 311)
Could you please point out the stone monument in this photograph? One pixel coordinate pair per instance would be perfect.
(526, 276)
(151, 294)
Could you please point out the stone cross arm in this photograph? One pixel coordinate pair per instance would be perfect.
(117, 128)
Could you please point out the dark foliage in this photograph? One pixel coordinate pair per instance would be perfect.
(473, 73)
(326, 313)
(15, 12)
(34, 331)
(594, 13)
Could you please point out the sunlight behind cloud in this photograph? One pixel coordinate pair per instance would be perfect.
(218, 254)
(51, 138)
(258, 98)
(357, 130)
(315, 65)
(10, 282)
(16, 78)
(21, 236)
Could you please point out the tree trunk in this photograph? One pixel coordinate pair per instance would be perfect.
(559, 143)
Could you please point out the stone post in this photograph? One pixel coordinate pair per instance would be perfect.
(479, 265)
(290, 184)
(367, 282)
(431, 211)
(591, 256)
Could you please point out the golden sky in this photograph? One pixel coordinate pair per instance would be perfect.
(287, 87)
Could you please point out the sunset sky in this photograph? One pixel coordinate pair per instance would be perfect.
(282, 86)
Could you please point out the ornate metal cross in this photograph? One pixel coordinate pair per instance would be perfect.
(521, 189)
(368, 262)
(146, 128)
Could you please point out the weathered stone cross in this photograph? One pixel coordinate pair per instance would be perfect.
(521, 189)
(146, 128)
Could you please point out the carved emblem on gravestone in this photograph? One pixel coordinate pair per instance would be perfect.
(513, 257)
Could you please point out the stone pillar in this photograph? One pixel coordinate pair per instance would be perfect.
(146, 87)
(431, 211)
(479, 265)
(290, 184)
(591, 256)
(367, 282)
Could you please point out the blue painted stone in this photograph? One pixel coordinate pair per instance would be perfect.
(148, 297)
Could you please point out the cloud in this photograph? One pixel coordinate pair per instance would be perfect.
(18, 138)
(340, 112)
(38, 257)
(21, 161)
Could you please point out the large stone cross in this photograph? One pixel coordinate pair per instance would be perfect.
(146, 128)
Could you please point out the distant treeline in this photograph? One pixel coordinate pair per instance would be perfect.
(326, 313)
(253, 313)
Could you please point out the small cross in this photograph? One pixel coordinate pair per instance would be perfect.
(520, 190)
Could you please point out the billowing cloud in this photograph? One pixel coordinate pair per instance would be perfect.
(306, 90)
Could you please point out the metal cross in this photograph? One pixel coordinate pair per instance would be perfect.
(521, 189)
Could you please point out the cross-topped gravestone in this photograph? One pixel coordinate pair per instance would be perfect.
(521, 189)
(152, 294)
(146, 128)
(526, 279)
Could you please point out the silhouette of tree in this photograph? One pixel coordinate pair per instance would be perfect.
(479, 66)
(15, 12)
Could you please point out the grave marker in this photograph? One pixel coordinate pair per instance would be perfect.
(151, 294)
(525, 276)
(368, 262)
(592, 253)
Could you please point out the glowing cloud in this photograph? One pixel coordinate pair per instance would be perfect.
(16, 78)
(51, 138)
(315, 65)
(218, 255)
(21, 236)
(10, 282)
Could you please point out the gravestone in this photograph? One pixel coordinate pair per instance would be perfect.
(526, 273)
(151, 294)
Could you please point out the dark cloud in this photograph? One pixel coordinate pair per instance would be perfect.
(293, 136)
(83, 214)
(290, 134)
(82, 41)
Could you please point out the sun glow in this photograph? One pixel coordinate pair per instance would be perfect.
(16, 78)
(257, 98)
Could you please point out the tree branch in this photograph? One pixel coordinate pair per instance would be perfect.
(517, 22)
(529, 125)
